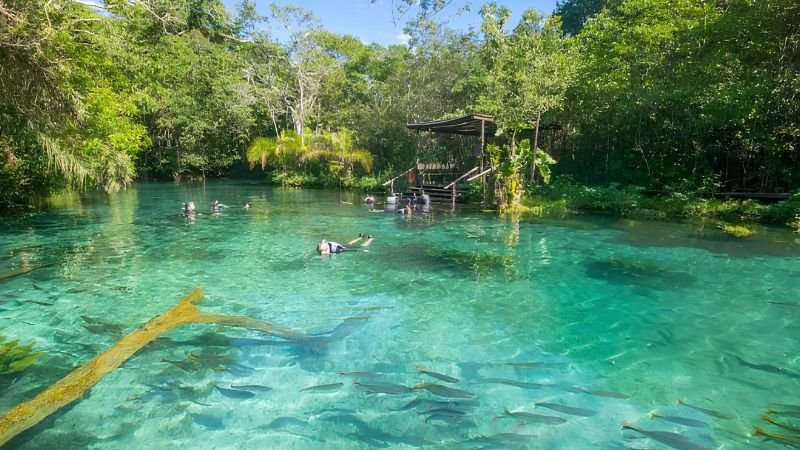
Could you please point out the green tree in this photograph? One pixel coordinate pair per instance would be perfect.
(529, 71)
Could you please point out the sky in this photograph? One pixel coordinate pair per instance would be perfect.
(373, 22)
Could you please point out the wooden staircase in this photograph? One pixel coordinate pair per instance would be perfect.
(436, 192)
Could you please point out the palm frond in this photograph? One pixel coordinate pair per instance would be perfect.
(73, 168)
(362, 157)
(260, 150)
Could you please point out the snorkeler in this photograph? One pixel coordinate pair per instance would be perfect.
(217, 207)
(326, 247)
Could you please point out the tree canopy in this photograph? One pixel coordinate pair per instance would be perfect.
(653, 93)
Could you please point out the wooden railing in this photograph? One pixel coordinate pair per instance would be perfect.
(461, 178)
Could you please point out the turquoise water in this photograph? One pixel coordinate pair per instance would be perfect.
(615, 317)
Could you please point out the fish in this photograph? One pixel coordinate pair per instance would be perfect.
(208, 422)
(251, 387)
(440, 376)
(668, 438)
(372, 435)
(609, 394)
(239, 370)
(444, 391)
(767, 368)
(709, 412)
(20, 271)
(681, 420)
(362, 374)
(786, 405)
(784, 413)
(235, 393)
(531, 417)
(383, 388)
(575, 411)
(445, 411)
(515, 383)
(38, 302)
(99, 327)
(793, 440)
(286, 422)
(461, 405)
(504, 440)
(187, 366)
(205, 356)
(448, 419)
(784, 304)
(323, 387)
(778, 424)
(412, 404)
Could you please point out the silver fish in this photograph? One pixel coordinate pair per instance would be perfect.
(323, 387)
(709, 412)
(673, 440)
(515, 383)
(575, 411)
(538, 418)
(251, 387)
(235, 393)
(609, 394)
(361, 374)
(767, 368)
(681, 420)
(444, 391)
(383, 388)
(440, 376)
(445, 412)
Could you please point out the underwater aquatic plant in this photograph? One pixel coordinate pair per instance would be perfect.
(14, 357)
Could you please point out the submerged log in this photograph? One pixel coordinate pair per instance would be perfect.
(72, 387)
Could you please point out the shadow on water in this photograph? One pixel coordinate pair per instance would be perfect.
(423, 258)
(636, 272)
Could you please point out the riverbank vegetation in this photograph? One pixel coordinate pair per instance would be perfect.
(634, 107)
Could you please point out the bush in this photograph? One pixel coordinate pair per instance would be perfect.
(565, 195)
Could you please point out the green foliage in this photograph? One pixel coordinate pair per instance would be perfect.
(575, 13)
(14, 357)
(565, 195)
(670, 91)
(680, 96)
(739, 231)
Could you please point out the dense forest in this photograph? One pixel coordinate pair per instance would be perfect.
(664, 95)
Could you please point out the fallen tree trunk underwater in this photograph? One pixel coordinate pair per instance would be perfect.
(71, 387)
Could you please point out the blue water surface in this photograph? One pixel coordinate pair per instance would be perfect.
(527, 334)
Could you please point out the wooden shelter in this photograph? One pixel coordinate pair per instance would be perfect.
(479, 125)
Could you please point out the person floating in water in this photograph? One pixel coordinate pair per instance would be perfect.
(247, 205)
(217, 207)
(326, 247)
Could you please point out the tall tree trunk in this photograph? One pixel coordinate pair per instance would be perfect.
(535, 146)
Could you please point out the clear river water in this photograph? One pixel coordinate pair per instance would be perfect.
(453, 329)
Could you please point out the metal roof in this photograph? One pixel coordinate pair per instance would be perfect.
(467, 125)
